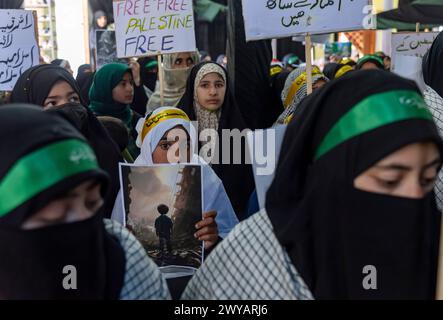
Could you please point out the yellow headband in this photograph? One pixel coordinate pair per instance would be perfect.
(297, 84)
(343, 71)
(168, 114)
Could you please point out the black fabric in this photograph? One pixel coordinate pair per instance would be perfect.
(331, 230)
(412, 14)
(149, 79)
(117, 130)
(11, 4)
(33, 261)
(85, 77)
(248, 66)
(34, 86)
(331, 69)
(237, 178)
(432, 65)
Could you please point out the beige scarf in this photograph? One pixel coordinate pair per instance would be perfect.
(207, 119)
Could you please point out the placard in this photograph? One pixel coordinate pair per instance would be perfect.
(267, 19)
(19, 50)
(411, 44)
(152, 27)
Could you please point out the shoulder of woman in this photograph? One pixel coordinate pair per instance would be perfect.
(143, 279)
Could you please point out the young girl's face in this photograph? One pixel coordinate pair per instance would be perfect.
(410, 172)
(173, 147)
(81, 203)
(211, 92)
(124, 91)
(60, 94)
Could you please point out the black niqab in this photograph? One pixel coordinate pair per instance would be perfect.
(331, 230)
(34, 261)
(33, 87)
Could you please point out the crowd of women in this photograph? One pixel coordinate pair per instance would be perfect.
(354, 188)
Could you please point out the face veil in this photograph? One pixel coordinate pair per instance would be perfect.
(332, 231)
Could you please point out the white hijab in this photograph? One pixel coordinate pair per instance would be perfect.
(214, 194)
(148, 143)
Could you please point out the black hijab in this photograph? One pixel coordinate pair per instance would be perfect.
(330, 70)
(432, 65)
(33, 87)
(43, 158)
(330, 229)
(85, 77)
(237, 178)
(149, 78)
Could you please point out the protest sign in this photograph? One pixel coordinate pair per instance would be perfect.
(162, 205)
(411, 44)
(410, 67)
(19, 50)
(267, 19)
(106, 48)
(152, 27)
(265, 144)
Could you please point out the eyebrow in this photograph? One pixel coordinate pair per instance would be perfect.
(69, 94)
(401, 167)
(91, 186)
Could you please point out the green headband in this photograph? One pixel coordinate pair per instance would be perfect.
(374, 112)
(151, 65)
(43, 168)
(370, 57)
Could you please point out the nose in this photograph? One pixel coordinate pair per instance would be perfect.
(415, 191)
(212, 90)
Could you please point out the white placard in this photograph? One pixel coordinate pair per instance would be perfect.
(411, 44)
(151, 27)
(267, 19)
(18, 46)
(410, 67)
(264, 148)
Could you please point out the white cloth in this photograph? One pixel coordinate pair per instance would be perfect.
(435, 104)
(214, 194)
(250, 264)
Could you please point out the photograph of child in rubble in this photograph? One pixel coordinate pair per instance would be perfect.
(163, 203)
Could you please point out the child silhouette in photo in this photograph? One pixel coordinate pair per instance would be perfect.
(163, 229)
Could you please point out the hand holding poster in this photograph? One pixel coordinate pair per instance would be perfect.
(266, 19)
(18, 46)
(151, 27)
(163, 203)
(411, 44)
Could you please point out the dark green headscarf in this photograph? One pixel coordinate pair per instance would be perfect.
(100, 94)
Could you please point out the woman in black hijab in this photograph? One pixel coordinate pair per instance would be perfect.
(351, 213)
(237, 178)
(54, 242)
(38, 237)
(35, 86)
(330, 229)
(84, 79)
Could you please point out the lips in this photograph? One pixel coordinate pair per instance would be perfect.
(213, 101)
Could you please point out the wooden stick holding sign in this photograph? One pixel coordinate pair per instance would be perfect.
(417, 27)
(161, 78)
(308, 46)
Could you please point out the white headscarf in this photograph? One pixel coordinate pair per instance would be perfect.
(214, 194)
(169, 118)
